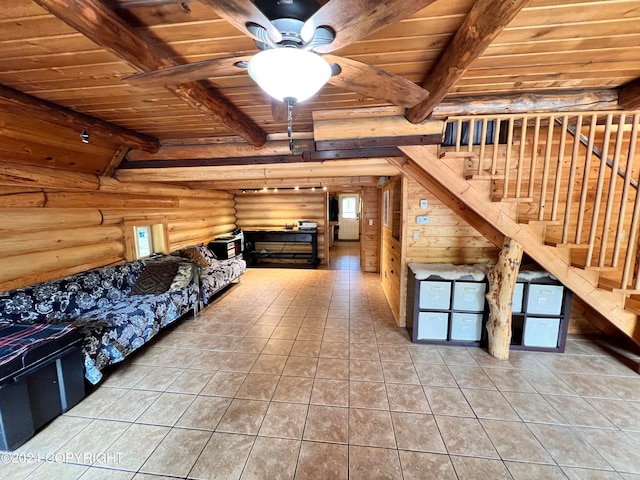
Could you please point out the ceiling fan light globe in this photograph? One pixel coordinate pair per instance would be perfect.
(289, 73)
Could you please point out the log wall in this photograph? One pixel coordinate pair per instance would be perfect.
(260, 210)
(50, 233)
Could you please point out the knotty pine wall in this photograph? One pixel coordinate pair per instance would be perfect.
(446, 238)
(47, 233)
(275, 210)
(370, 234)
(393, 274)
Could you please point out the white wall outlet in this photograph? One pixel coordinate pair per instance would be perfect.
(416, 235)
(371, 222)
(422, 220)
(423, 204)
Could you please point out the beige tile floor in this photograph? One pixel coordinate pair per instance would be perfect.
(299, 373)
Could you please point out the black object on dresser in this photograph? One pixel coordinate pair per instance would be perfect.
(226, 247)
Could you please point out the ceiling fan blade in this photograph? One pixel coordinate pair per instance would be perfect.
(375, 82)
(240, 12)
(280, 112)
(189, 72)
(356, 19)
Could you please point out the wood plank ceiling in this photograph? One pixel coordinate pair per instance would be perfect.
(547, 47)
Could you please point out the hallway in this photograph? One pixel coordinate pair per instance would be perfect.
(302, 373)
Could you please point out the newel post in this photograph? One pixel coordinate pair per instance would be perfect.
(502, 282)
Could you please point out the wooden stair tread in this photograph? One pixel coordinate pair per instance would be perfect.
(446, 155)
(545, 222)
(581, 265)
(613, 284)
(632, 304)
(511, 200)
(557, 242)
(487, 176)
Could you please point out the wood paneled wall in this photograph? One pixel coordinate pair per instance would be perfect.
(393, 263)
(370, 234)
(446, 238)
(275, 210)
(49, 233)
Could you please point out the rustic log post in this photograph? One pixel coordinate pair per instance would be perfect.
(502, 282)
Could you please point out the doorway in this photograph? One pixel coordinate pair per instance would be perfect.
(349, 216)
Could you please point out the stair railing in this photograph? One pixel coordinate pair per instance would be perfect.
(576, 171)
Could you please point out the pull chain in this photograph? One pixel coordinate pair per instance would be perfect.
(290, 101)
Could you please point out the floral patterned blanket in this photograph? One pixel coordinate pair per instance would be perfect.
(98, 303)
(214, 274)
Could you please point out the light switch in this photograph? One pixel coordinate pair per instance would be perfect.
(416, 235)
(422, 220)
(371, 222)
(423, 204)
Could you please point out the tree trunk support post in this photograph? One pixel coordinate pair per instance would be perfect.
(502, 281)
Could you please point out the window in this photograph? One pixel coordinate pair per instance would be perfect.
(143, 239)
(349, 207)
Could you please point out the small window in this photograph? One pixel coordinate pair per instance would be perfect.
(143, 239)
(349, 207)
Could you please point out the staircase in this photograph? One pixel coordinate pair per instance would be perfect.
(565, 188)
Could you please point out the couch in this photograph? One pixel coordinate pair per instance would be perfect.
(99, 303)
(119, 308)
(214, 274)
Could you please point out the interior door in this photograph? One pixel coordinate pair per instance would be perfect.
(349, 216)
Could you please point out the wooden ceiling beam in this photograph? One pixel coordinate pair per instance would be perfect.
(18, 103)
(234, 153)
(528, 102)
(103, 26)
(305, 156)
(629, 97)
(486, 19)
(271, 172)
(217, 150)
(251, 184)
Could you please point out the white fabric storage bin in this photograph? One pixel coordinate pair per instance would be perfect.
(541, 332)
(435, 295)
(544, 299)
(433, 325)
(469, 296)
(518, 294)
(466, 326)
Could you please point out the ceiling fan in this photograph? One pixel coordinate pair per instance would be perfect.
(290, 32)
